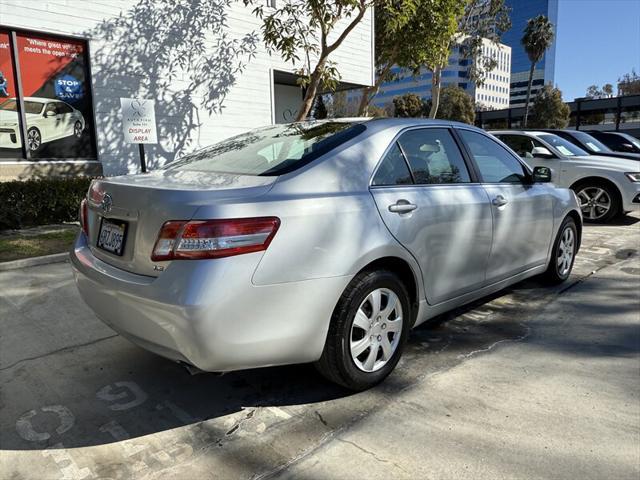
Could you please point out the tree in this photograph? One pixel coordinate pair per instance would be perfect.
(408, 105)
(319, 108)
(607, 90)
(629, 84)
(456, 105)
(593, 91)
(537, 38)
(549, 111)
(303, 27)
(395, 43)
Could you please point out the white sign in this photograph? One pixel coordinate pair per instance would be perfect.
(139, 120)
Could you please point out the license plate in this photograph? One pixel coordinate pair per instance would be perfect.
(112, 235)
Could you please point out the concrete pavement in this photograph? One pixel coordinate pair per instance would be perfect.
(531, 383)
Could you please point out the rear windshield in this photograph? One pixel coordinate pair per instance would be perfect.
(563, 146)
(270, 151)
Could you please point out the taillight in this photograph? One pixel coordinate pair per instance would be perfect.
(198, 239)
(84, 217)
(96, 194)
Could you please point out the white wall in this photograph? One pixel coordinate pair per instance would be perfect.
(116, 74)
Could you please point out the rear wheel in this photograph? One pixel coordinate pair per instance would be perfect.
(599, 201)
(564, 252)
(368, 330)
(77, 130)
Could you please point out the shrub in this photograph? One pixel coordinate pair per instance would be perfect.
(28, 203)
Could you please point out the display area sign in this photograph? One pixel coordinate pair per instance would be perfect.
(138, 120)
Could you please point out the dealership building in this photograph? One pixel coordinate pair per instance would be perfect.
(66, 64)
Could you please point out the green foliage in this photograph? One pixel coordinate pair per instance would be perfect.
(299, 30)
(537, 38)
(41, 201)
(629, 84)
(408, 105)
(456, 105)
(593, 91)
(319, 108)
(549, 111)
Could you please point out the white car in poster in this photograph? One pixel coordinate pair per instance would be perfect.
(47, 120)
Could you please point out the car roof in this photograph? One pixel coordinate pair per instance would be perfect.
(520, 132)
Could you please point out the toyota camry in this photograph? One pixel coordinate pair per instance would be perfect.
(320, 242)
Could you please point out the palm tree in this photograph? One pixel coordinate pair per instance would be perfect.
(537, 38)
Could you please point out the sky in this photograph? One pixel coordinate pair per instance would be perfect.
(598, 41)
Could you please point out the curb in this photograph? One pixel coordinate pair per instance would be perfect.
(33, 261)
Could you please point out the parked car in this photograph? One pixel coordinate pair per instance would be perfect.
(317, 242)
(617, 141)
(47, 120)
(590, 144)
(605, 186)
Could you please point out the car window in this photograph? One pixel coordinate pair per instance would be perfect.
(271, 151)
(495, 163)
(563, 146)
(521, 144)
(434, 156)
(63, 108)
(590, 142)
(30, 107)
(51, 109)
(393, 169)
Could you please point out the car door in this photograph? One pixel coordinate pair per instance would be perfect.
(428, 199)
(65, 115)
(522, 211)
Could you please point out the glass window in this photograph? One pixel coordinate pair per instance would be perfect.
(393, 169)
(495, 163)
(593, 144)
(270, 151)
(434, 157)
(563, 146)
(521, 144)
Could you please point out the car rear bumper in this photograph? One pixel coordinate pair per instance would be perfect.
(208, 313)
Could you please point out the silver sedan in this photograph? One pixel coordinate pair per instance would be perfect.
(319, 242)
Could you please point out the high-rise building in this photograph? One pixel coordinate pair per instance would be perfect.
(521, 12)
(492, 94)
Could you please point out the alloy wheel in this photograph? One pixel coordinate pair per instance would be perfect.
(595, 202)
(77, 129)
(566, 251)
(376, 330)
(33, 139)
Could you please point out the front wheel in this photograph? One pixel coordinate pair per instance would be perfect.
(34, 139)
(368, 330)
(598, 201)
(564, 252)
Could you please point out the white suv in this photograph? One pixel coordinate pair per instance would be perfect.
(605, 186)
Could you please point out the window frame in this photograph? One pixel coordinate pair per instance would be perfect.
(473, 174)
(25, 156)
(506, 148)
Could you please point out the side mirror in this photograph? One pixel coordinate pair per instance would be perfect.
(541, 175)
(541, 152)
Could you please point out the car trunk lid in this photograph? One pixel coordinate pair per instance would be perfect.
(145, 202)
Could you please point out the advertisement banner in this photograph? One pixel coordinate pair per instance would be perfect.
(138, 120)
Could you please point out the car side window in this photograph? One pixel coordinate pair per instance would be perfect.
(64, 108)
(51, 109)
(521, 144)
(495, 163)
(393, 169)
(434, 156)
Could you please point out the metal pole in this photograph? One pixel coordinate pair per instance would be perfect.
(143, 163)
(17, 78)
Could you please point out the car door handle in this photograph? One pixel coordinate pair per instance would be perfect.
(402, 206)
(499, 201)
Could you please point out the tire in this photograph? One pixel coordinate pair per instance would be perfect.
(77, 130)
(356, 371)
(562, 259)
(593, 197)
(34, 139)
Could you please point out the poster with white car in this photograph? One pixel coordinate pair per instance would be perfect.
(56, 98)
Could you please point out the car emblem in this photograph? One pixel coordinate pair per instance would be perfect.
(107, 203)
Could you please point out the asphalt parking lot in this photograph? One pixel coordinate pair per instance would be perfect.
(531, 383)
